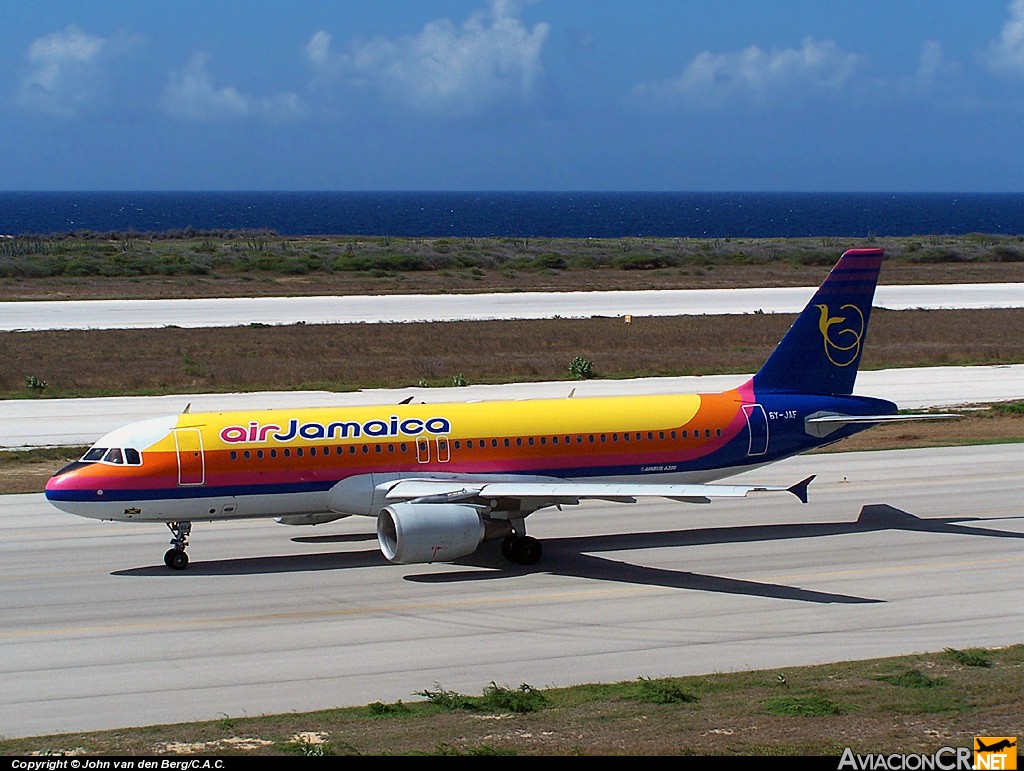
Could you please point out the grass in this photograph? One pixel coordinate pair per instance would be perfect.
(912, 704)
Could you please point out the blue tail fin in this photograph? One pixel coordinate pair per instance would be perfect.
(821, 351)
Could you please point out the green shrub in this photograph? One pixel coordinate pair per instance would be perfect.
(663, 692)
(972, 657)
(581, 368)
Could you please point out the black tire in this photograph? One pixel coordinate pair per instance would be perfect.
(506, 547)
(176, 559)
(526, 551)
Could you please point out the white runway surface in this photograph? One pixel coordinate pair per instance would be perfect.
(138, 314)
(45, 422)
(97, 633)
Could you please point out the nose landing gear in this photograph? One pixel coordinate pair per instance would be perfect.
(176, 558)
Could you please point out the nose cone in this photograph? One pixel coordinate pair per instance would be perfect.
(59, 488)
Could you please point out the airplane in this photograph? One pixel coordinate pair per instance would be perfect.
(999, 746)
(442, 479)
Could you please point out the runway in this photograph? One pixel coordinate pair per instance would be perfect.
(46, 422)
(371, 309)
(896, 552)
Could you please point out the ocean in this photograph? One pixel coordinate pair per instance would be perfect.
(518, 214)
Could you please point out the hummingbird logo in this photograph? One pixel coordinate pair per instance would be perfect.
(842, 335)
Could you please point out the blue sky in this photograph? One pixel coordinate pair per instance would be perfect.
(900, 95)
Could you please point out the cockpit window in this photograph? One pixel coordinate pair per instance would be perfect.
(94, 454)
(132, 457)
(113, 455)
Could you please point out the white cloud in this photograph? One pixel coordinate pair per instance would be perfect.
(65, 74)
(444, 69)
(318, 49)
(191, 95)
(933, 69)
(753, 76)
(1006, 55)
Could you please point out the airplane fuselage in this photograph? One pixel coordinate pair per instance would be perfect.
(290, 462)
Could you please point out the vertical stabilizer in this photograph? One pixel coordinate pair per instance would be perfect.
(821, 351)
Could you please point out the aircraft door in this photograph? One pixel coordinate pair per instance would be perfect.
(423, 449)
(757, 428)
(191, 461)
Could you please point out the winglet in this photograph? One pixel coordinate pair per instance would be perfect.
(800, 488)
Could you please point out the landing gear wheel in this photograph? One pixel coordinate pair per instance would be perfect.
(506, 547)
(176, 559)
(523, 550)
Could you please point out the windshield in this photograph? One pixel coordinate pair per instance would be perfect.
(115, 455)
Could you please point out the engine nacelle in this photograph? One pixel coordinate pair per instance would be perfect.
(308, 519)
(429, 532)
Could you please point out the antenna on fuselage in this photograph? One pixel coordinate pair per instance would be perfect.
(187, 408)
(406, 400)
(573, 391)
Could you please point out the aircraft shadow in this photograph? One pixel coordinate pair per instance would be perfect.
(570, 557)
(573, 556)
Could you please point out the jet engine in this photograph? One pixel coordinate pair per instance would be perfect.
(429, 532)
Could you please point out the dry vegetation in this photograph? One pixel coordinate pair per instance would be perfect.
(237, 264)
(347, 356)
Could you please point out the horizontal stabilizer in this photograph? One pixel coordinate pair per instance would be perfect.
(823, 424)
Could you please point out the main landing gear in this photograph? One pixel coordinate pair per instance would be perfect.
(176, 558)
(520, 548)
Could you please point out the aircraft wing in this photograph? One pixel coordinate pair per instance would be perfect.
(548, 493)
